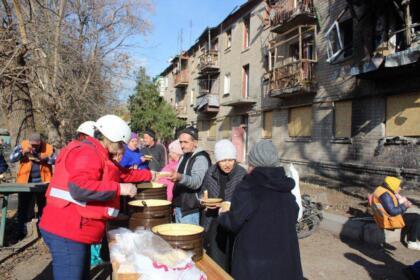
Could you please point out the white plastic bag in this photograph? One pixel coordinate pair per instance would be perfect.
(294, 174)
(152, 257)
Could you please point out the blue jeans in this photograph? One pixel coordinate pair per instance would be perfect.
(70, 259)
(193, 219)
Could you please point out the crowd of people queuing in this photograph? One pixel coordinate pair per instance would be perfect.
(253, 238)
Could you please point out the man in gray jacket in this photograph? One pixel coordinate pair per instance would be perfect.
(188, 178)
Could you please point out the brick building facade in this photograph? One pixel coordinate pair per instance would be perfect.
(334, 84)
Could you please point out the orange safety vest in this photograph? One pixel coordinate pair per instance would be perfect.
(25, 165)
(382, 218)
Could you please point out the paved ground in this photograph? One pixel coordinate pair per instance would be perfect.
(324, 256)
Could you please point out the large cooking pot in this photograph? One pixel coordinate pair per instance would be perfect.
(149, 213)
(120, 221)
(150, 190)
(183, 236)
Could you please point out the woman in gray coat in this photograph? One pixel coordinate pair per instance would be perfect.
(220, 182)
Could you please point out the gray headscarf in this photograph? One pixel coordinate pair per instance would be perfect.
(263, 154)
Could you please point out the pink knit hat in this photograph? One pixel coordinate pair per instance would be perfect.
(175, 147)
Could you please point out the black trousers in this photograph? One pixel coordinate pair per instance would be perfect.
(26, 205)
(412, 226)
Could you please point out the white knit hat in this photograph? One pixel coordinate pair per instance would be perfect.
(224, 149)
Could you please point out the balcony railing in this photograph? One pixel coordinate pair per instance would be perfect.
(181, 78)
(285, 12)
(208, 103)
(294, 77)
(209, 61)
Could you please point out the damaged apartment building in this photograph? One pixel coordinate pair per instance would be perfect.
(334, 84)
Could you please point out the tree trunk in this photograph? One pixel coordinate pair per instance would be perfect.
(16, 103)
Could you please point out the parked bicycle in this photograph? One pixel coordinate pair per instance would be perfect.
(311, 218)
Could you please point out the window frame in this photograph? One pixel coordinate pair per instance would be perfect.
(246, 32)
(341, 51)
(228, 38)
(245, 81)
(226, 84)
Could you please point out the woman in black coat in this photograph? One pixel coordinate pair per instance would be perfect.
(263, 215)
(220, 182)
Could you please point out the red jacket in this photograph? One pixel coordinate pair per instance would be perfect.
(93, 179)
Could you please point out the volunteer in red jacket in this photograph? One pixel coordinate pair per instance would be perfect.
(83, 193)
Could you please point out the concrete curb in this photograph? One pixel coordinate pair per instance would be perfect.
(361, 230)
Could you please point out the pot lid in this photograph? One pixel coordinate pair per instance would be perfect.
(149, 202)
(150, 185)
(177, 229)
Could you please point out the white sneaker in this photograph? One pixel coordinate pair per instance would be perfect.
(413, 245)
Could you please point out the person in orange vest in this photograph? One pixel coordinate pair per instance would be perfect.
(388, 208)
(36, 158)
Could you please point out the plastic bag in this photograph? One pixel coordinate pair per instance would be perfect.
(152, 257)
(294, 174)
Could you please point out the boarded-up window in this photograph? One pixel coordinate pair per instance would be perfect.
(403, 115)
(300, 122)
(212, 128)
(226, 128)
(267, 124)
(342, 119)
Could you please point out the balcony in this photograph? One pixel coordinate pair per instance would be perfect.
(207, 103)
(286, 14)
(209, 62)
(293, 78)
(240, 102)
(181, 79)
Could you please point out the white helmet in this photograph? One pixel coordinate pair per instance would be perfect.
(87, 128)
(114, 128)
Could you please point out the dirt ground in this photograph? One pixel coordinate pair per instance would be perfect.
(335, 201)
(324, 256)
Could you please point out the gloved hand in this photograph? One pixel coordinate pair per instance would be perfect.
(128, 189)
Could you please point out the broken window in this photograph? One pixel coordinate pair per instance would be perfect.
(228, 38)
(339, 40)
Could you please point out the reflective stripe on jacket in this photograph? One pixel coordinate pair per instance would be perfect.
(84, 191)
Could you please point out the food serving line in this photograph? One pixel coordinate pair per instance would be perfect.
(151, 210)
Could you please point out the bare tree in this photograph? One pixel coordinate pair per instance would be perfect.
(72, 51)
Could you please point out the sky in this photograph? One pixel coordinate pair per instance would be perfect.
(170, 19)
